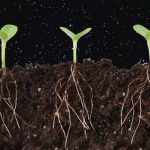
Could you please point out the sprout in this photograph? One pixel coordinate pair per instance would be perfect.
(75, 39)
(7, 32)
(144, 32)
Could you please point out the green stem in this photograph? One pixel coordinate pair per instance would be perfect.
(74, 51)
(148, 44)
(3, 54)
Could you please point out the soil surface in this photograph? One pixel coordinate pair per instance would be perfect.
(47, 102)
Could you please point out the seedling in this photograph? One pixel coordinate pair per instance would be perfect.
(7, 32)
(145, 33)
(78, 88)
(75, 39)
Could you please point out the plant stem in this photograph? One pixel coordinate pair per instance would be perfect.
(3, 54)
(148, 44)
(4, 71)
(75, 69)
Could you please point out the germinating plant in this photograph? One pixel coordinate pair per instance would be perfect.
(7, 32)
(145, 33)
(75, 39)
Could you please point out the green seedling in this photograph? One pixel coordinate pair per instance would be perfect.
(145, 33)
(7, 32)
(75, 39)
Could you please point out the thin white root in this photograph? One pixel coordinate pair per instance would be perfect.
(8, 102)
(141, 87)
(65, 99)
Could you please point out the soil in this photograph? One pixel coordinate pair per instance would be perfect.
(46, 102)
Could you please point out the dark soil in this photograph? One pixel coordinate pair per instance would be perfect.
(49, 95)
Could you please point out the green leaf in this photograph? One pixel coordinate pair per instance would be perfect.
(10, 30)
(140, 29)
(68, 32)
(3, 35)
(82, 33)
(147, 36)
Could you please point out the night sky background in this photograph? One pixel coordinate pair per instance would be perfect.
(39, 38)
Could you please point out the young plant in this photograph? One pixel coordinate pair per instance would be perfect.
(7, 32)
(75, 39)
(145, 33)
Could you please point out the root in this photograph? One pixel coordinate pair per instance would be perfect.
(140, 87)
(8, 102)
(65, 99)
(4, 71)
